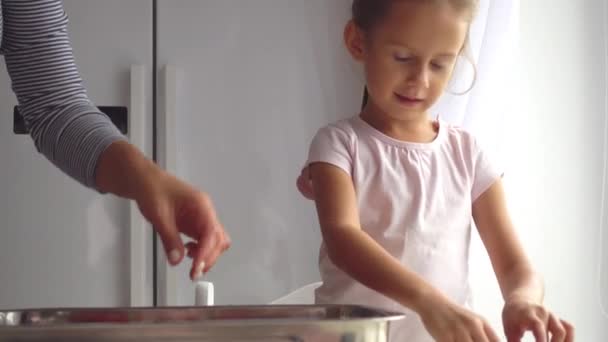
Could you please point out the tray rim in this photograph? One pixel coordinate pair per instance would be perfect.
(377, 316)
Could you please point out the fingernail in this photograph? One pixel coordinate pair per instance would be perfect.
(199, 271)
(174, 256)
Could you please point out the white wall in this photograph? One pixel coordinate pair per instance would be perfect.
(554, 156)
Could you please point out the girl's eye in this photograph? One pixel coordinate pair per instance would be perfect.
(437, 66)
(402, 58)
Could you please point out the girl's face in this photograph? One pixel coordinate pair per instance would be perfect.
(408, 56)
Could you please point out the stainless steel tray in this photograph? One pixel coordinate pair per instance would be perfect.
(296, 323)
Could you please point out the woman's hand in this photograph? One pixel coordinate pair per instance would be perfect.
(174, 207)
(304, 184)
(168, 203)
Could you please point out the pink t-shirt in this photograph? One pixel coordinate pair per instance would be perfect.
(415, 200)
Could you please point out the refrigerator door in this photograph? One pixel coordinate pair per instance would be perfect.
(61, 244)
(249, 83)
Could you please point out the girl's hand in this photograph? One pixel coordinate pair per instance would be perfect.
(448, 322)
(521, 315)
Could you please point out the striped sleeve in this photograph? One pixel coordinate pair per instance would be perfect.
(65, 126)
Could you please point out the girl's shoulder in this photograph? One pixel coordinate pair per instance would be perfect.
(458, 135)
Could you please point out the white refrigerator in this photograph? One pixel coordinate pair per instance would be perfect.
(241, 88)
(61, 244)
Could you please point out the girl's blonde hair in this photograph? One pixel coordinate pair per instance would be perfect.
(367, 13)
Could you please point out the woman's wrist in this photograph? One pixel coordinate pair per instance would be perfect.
(124, 171)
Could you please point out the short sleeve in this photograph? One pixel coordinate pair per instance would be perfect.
(331, 145)
(486, 171)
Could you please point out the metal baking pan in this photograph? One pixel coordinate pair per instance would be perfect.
(270, 323)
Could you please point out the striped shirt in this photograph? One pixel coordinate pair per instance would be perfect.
(65, 126)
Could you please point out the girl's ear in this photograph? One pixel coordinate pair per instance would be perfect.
(354, 39)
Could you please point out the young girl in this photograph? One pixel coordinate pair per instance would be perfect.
(397, 192)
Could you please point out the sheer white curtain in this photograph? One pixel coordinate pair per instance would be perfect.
(493, 47)
(483, 111)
